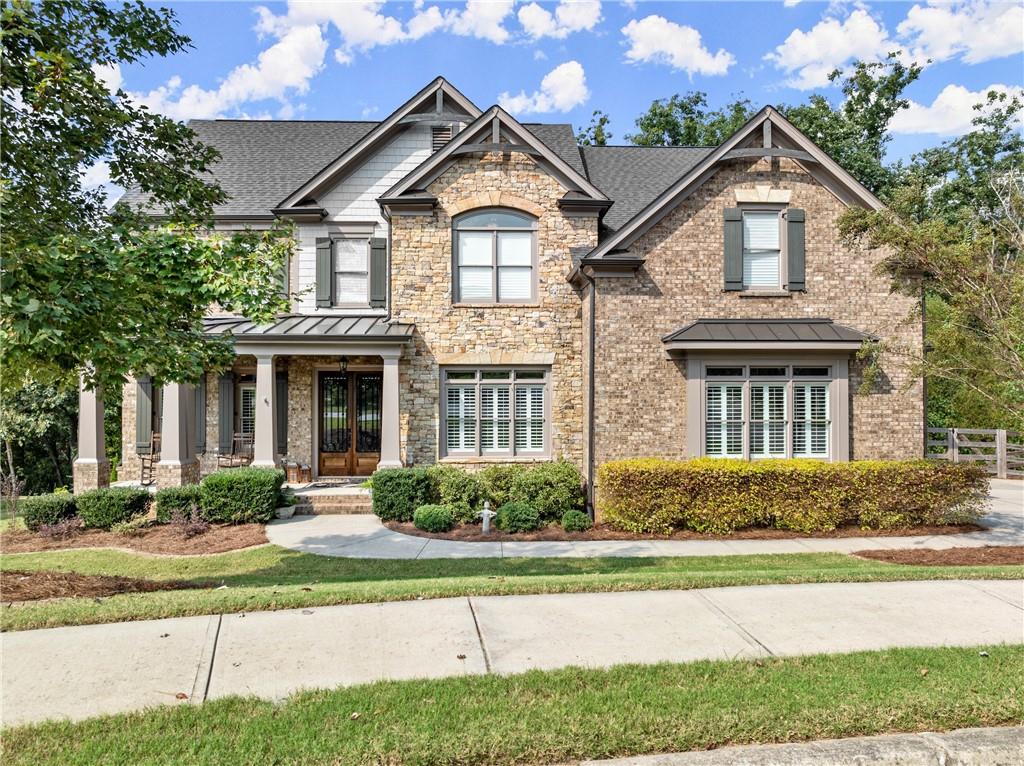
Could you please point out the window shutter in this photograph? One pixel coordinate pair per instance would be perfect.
(143, 415)
(226, 413)
(378, 272)
(281, 405)
(324, 272)
(283, 276)
(795, 250)
(733, 248)
(201, 414)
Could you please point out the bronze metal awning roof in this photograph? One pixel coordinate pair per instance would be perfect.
(302, 328)
(765, 334)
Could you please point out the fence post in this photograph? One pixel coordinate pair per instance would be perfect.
(1001, 456)
(954, 450)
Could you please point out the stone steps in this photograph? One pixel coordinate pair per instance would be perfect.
(334, 504)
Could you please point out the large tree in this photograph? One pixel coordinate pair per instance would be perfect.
(686, 120)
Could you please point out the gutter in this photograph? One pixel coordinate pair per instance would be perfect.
(591, 335)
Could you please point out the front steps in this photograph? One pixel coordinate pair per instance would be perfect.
(348, 502)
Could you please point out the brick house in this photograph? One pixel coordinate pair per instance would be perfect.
(467, 288)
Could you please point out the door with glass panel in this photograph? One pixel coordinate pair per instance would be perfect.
(349, 417)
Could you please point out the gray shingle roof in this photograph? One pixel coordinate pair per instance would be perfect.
(712, 331)
(304, 328)
(633, 176)
(560, 139)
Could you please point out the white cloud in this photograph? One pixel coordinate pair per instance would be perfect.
(569, 16)
(481, 18)
(658, 40)
(951, 112)
(95, 175)
(110, 75)
(562, 89)
(790, 3)
(977, 31)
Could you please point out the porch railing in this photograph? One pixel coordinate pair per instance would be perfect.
(1001, 452)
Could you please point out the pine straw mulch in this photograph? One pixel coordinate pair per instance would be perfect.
(21, 585)
(470, 533)
(162, 538)
(989, 555)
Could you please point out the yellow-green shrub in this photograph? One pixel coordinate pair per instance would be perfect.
(720, 496)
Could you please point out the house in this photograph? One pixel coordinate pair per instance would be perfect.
(468, 288)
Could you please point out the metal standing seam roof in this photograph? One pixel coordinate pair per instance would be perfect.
(713, 331)
(310, 329)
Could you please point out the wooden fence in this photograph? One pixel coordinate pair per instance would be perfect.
(1001, 451)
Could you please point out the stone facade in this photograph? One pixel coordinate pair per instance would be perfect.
(86, 476)
(640, 392)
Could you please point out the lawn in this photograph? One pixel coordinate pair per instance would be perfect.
(558, 716)
(270, 577)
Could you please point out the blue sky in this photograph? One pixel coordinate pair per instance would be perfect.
(557, 62)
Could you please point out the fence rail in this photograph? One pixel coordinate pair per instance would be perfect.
(1001, 451)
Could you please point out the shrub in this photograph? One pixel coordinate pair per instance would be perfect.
(47, 510)
(62, 530)
(131, 527)
(551, 488)
(517, 517)
(171, 499)
(434, 518)
(398, 492)
(496, 482)
(189, 523)
(576, 521)
(103, 508)
(240, 495)
(721, 496)
(458, 489)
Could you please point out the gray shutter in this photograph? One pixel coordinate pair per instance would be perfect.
(323, 272)
(795, 280)
(201, 414)
(143, 415)
(733, 248)
(281, 404)
(378, 272)
(284, 278)
(226, 413)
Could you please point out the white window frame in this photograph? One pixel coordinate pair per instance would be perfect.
(780, 212)
(243, 389)
(335, 272)
(459, 226)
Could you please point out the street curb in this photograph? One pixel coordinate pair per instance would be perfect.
(963, 747)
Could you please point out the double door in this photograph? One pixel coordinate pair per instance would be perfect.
(349, 418)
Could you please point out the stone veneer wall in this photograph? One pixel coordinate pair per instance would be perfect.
(421, 280)
(641, 393)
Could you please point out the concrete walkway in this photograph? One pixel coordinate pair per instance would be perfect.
(363, 536)
(78, 672)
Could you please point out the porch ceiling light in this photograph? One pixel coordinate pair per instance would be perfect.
(343, 364)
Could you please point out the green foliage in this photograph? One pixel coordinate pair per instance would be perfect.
(38, 510)
(434, 518)
(105, 507)
(597, 133)
(496, 481)
(576, 521)
(517, 517)
(551, 488)
(460, 490)
(241, 495)
(720, 496)
(132, 526)
(398, 492)
(171, 499)
(686, 121)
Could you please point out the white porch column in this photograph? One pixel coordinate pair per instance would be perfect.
(91, 468)
(390, 454)
(178, 464)
(265, 436)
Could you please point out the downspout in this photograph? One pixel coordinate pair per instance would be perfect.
(590, 390)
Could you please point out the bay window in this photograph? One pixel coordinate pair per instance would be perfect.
(494, 412)
(494, 257)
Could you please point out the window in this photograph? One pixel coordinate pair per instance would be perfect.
(810, 420)
(494, 257)
(247, 411)
(724, 429)
(495, 412)
(762, 249)
(351, 272)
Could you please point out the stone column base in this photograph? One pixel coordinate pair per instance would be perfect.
(90, 475)
(176, 474)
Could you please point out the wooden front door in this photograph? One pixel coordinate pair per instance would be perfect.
(350, 420)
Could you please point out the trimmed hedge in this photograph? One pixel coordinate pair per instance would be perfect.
(517, 517)
(576, 521)
(171, 499)
(720, 496)
(103, 508)
(434, 518)
(496, 482)
(40, 510)
(240, 495)
(551, 488)
(398, 492)
(459, 490)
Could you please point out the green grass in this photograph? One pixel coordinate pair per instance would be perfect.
(558, 716)
(275, 578)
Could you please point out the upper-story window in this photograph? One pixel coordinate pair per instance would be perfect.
(495, 257)
(762, 249)
(351, 272)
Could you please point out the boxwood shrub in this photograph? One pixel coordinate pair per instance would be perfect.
(398, 492)
(721, 496)
(240, 495)
(551, 488)
(171, 499)
(433, 518)
(576, 521)
(460, 490)
(517, 517)
(103, 508)
(496, 482)
(40, 510)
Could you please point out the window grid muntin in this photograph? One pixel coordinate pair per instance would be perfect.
(526, 423)
(472, 224)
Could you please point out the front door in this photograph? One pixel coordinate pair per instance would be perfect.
(349, 417)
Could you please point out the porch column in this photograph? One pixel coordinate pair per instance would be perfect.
(91, 468)
(178, 464)
(390, 455)
(265, 436)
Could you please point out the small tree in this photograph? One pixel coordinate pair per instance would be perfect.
(597, 133)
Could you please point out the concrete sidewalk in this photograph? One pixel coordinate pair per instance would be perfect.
(363, 536)
(78, 672)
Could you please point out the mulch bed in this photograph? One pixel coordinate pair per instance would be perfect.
(163, 538)
(470, 533)
(20, 585)
(951, 557)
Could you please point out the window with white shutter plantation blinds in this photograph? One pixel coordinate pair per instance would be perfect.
(810, 420)
(495, 412)
(724, 427)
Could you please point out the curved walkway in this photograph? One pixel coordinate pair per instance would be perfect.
(363, 536)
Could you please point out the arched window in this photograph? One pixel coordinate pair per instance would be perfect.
(495, 257)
